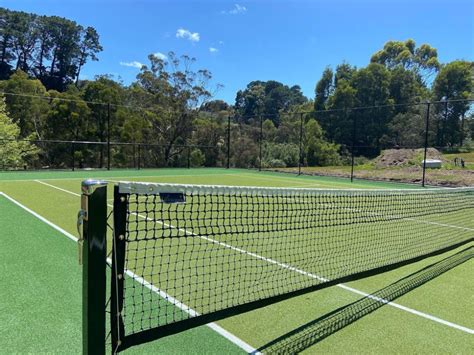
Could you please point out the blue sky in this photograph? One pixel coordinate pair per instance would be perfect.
(288, 41)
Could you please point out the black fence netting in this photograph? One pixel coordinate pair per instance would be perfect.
(428, 142)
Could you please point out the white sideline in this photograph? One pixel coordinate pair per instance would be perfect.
(292, 268)
(217, 328)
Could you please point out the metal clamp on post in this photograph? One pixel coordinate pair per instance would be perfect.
(81, 215)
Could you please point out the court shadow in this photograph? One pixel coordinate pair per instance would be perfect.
(313, 332)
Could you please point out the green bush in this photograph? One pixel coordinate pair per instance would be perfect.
(274, 163)
(197, 158)
(280, 154)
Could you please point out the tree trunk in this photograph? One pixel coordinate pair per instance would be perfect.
(53, 62)
(81, 63)
(4, 48)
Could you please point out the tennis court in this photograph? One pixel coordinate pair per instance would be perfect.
(423, 307)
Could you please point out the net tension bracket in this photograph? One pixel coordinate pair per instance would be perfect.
(81, 216)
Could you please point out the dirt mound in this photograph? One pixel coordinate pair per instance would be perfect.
(404, 157)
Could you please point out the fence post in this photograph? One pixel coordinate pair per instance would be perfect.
(354, 136)
(300, 144)
(228, 142)
(426, 141)
(108, 136)
(139, 155)
(260, 144)
(188, 148)
(94, 249)
(73, 158)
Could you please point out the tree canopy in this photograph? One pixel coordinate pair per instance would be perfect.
(50, 48)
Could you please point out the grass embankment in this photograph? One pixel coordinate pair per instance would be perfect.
(405, 165)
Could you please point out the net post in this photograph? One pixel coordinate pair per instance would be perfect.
(94, 212)
(228, 142)
(117, 327)
(426, 142)
(301, 144)
(260, 144)
(108, 136)
(354, 132)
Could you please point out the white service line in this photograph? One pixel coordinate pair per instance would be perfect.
(311, 275)
(214, 326)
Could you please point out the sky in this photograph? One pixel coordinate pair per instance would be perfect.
(240, 41)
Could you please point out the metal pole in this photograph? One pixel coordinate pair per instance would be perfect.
(301, 144)
(189, 156)
(354, 133)
(260, 144)
(108, 136)
(139, 155)
(93, 243)
(462, 129)
(228, 142)
(445, 122)
(73, 158)
(426, 141)
(134, 155)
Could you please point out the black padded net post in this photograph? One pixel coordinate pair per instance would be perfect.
(194, 254)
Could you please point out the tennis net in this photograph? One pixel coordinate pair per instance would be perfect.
(186, 255)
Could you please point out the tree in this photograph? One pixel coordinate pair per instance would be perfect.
(251, 102)
(345, 72)
(88, 48)
(49, 48)
(208, 132)
(215, 106)
(27, 111)
(406, 88)
(454, 82)
(103, 95)
(423, 60)
(6, 47)
(337, 123)
(267, 99)
(171, 92)
(318, 151)
(14, 152)
(324, 89)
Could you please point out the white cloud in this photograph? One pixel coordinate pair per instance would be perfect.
(186, 34)
(213, 50)
(236, 10)
(133, 64)
(160, 55)
(221, 42)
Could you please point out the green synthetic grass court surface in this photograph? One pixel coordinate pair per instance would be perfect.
(40, 291)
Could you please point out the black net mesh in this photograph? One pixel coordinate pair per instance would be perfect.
(197, 250)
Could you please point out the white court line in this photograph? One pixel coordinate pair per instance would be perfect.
(217, 328)
(118, 177)
(311, 275)
(306, 180)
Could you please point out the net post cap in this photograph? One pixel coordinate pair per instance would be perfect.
(90, 185)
